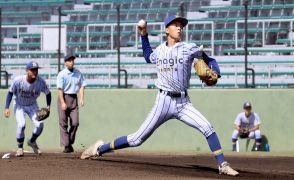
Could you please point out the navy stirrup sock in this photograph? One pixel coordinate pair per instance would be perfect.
(215, 147)
(234, 146)
(258, 144)
(34, 138)
(20, 142)
(119, 143)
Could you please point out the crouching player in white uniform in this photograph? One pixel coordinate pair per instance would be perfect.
(250, 122)
(27, 89)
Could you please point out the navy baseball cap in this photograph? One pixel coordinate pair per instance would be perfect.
(68, 57)
(247, 105)
(174, 18)
(32, 65)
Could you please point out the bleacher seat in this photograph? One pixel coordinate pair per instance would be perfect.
(100, 63)
(272, 6)
(260, 50)
(33, 2)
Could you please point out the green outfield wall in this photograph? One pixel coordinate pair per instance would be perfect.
(111, 113)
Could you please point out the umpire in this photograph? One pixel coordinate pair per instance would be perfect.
(70, 81)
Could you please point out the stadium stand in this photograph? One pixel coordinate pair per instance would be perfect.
(216, 24)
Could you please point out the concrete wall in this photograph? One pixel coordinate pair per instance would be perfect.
(112, 113)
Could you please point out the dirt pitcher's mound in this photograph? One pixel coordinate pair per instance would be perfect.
(126, 165)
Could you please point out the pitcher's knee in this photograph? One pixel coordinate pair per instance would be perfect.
(207, 130)
(134, 141)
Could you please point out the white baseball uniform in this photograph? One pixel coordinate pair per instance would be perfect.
(247, 123)
(173, 66)
(25, 102)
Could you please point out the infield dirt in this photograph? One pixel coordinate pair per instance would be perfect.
(129, 165)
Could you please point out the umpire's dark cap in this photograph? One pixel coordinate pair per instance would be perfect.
(69, 57)
(247, 105)
(174, 18)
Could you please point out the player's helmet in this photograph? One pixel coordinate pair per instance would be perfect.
(32, 65)
(69, 57)
(247, 105)
(173, 18)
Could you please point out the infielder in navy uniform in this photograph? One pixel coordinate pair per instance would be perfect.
(247, 124)
(70, 81)
(27, 89)
(173, 60)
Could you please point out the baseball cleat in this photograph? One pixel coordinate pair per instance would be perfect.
(227, 170)
(19, 152)
(92, 151)
(35, 147)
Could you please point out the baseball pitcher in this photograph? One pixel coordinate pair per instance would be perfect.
(173, 61)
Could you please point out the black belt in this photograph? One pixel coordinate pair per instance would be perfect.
(71, 95)
(173, 94)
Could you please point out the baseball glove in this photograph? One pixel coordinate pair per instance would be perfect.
(42, 114)
(206, 74)
(244, 133)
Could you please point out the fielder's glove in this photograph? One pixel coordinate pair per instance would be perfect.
(206, 74)
(244, 133)
(42, 114)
